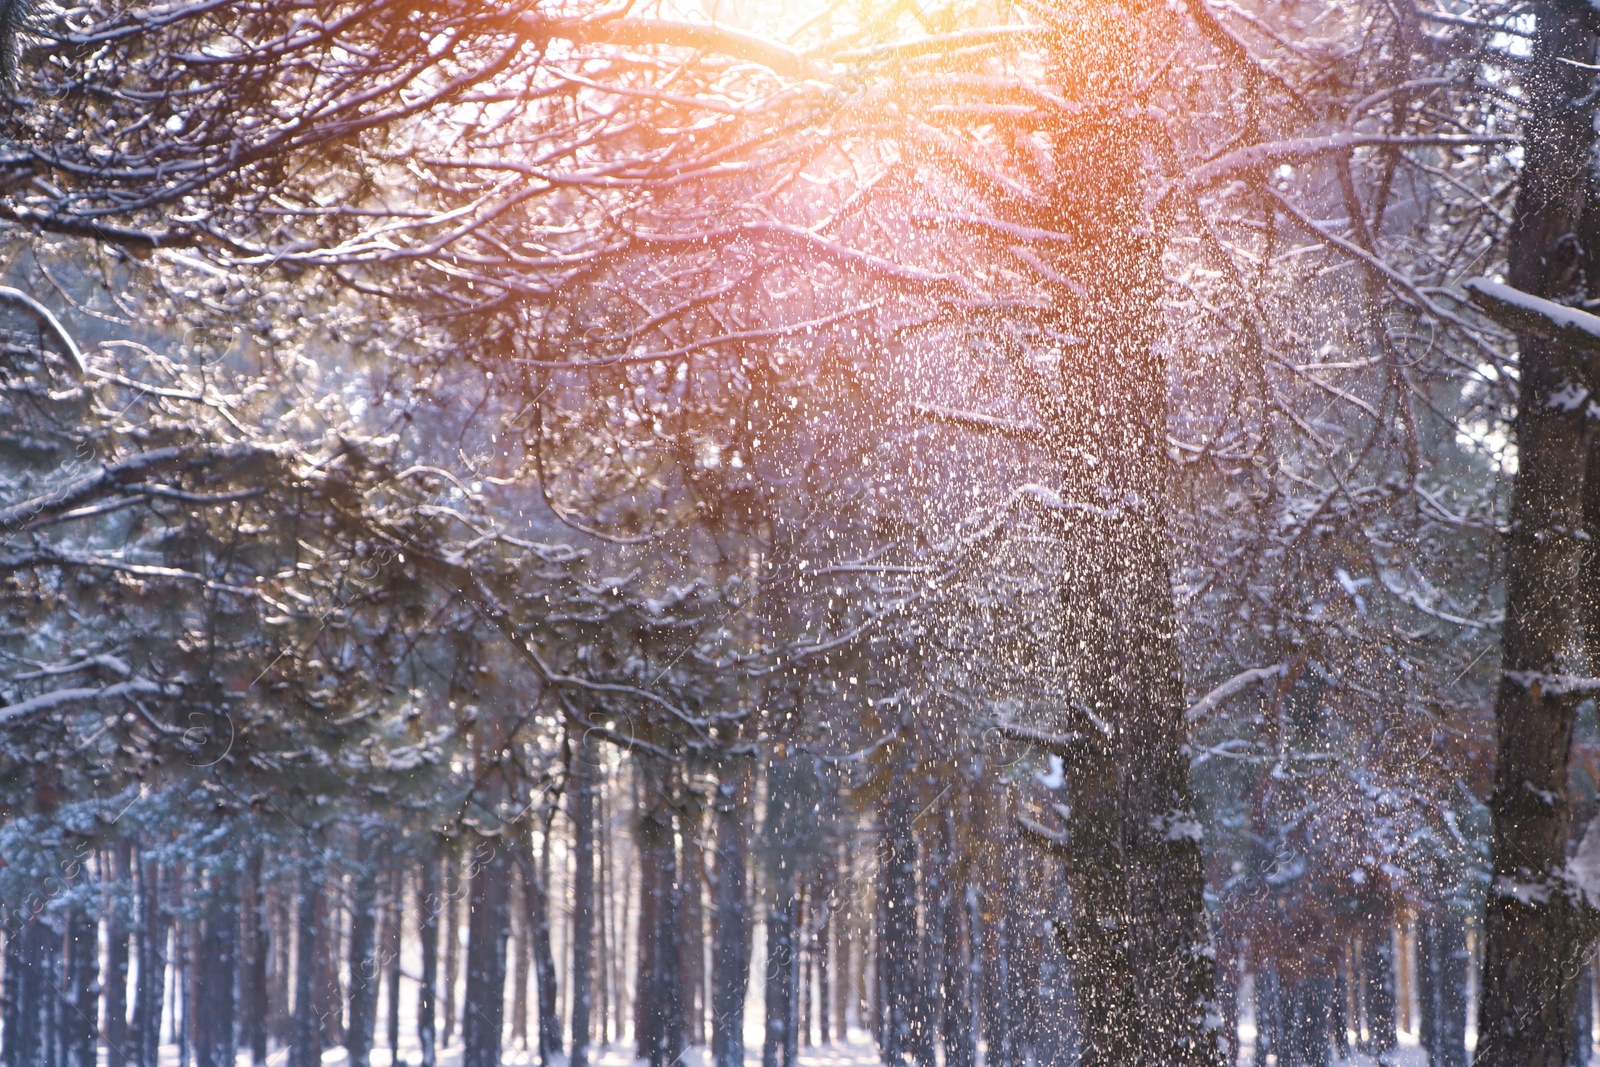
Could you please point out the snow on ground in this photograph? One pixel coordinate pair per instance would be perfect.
(859, 1051)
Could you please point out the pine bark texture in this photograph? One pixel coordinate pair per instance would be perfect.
(1535, 927)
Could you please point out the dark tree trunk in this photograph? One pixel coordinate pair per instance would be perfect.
(667, 994)
(428, 907)
(1378, 988)
(582, 789)
(730, 965)
(80, 995)
(305, 1049)
(1534, 930)
(519, 961)
(150, 992)
(280, 1020)
(257, 937)
(1269, 1015)
(1304, 1017)
(898, 857)
(452, 940)
(118, 930)
(1442, 986)
(807, 971)
(691, 924)
(483, 1014)
(213, 1005)
(364, 971)
(823, 922)
(956, 1032)
(393, 938)
(32, 947)
(1583, 1018)
(644, 1004)
(781, 973)
(536, 917)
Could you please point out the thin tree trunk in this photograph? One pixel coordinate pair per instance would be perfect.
(730, 963)
(452, 941)
(483, 1014)
(520, 957)
(148, 1003)
(80, 995)
(644, 1002)
(213, 1005)
(305, 1049)
(280, 1019)
(824, 925)
(1534, 931)
(253, 973)
(428, 907)
(536, 902)
(667, 999)
(393, 942)
(582, 794)
(780, 977)
(119, 1053)
(898, 858)
(691, 924)
(363, 963)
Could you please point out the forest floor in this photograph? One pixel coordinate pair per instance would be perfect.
(859, 1051)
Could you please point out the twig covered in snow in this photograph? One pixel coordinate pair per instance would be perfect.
(1230, 689)
(47, 319)
(1517, 310)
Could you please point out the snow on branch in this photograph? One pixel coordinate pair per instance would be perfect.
(46, 319)
(1230, 689)
(976, 420)
(1524, 312)
(1542, 684)
(1039, 834)
(77, 695)
(700, 36)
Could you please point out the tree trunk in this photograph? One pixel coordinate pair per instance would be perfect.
(363, 963)
(149, 992)
(898, 857)
(1534, 929)
(691, 923)
(536, 905)
(393, 941)
(253, 974)
(32, 951)
(452, 940)
(1441, 986)
(520, 957)
(582, 788)
(428, 908)
(213, 1005)
(483, 1014)
(780, 977)
(280, 1020)
(118, 1051)
(667, 994)
(730, 965)
(819, 953)
(305, 1049)
(1378, 977)
(956, 1032)
(1583, 1018)
(1136, 920)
